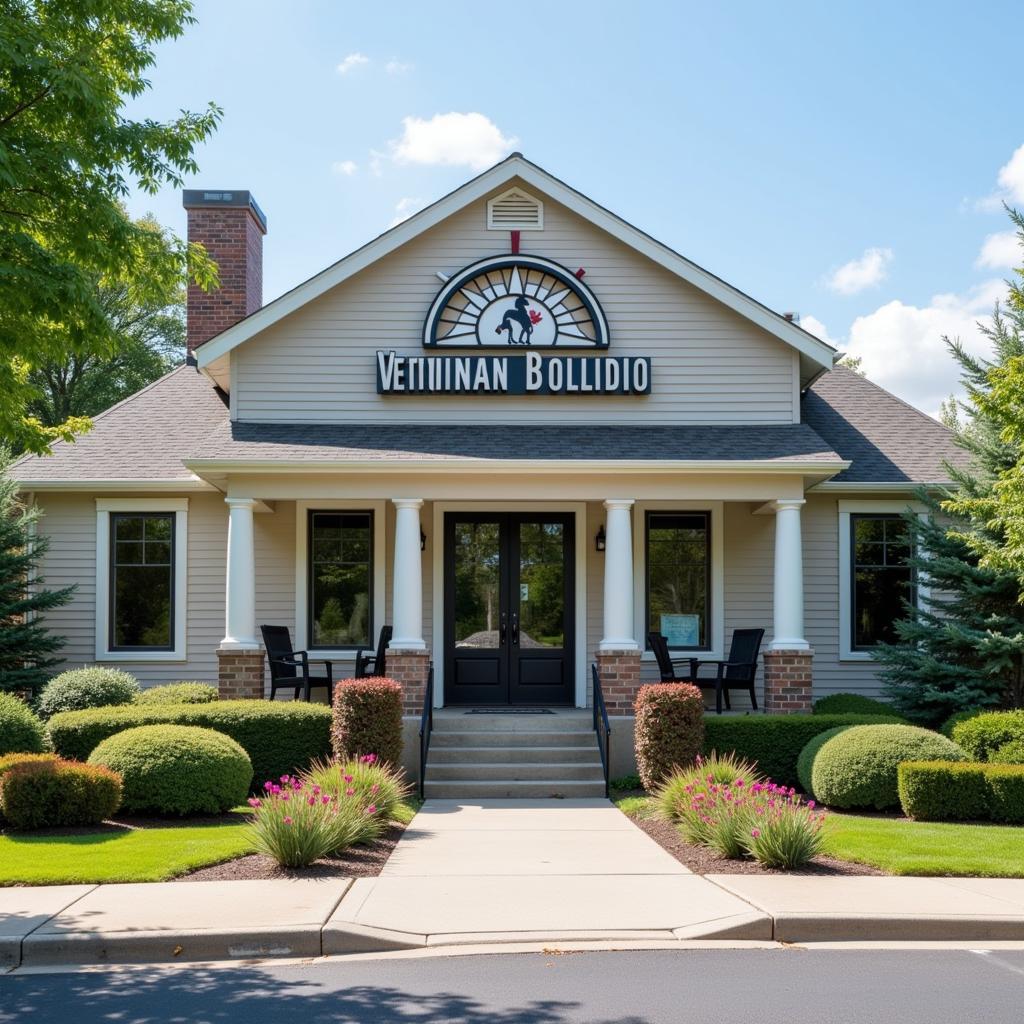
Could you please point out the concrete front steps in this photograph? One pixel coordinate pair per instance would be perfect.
(475, 756)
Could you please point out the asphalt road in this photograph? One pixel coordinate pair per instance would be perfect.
(730, 986)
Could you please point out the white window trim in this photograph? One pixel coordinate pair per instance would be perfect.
(302, 508)
(862, 507)
(104, 506)
(717, 511)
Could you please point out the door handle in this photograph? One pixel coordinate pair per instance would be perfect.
(515, 630)
(503, 630)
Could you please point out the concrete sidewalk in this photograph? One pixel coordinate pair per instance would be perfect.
(512, 872)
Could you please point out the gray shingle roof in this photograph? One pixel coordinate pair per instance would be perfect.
(145, 437)
(886, 440)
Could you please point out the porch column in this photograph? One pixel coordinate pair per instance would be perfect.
(618, 577)
(240, 656)
(407, 597)
(788, 661)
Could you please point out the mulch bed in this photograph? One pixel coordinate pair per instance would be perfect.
(356, 862)
(131, 823)
(702, 861)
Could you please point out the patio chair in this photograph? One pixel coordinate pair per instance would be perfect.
(289, 669)
(737, 672)
(374, 664)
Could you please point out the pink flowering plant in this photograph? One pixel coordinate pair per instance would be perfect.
(366, 778)
(675, 795)
(785, 832)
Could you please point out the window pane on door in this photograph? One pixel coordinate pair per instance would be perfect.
(477, 605)
(541, 585)
(340, 574)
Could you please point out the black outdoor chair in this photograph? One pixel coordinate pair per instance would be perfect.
(737, 672)
(289, 670)
(374, 664)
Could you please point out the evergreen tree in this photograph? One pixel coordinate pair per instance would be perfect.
(26, 648)
(963, 646)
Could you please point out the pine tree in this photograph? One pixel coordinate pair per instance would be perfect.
(26, 647)
(963, 646)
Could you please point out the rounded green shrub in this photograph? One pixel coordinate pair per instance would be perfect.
(280, 737)
(177, 769)
(87, 688)
(1009, 753)
(668, 731)
(858, 767)
(959, 716)
(982, 735)
(179, 693)
(852, 704)
(805, 762)
(368, 719)
(21, 732)
(46, 792)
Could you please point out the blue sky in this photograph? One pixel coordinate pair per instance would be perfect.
(843, 160)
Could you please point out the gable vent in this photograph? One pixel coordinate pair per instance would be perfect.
(514, 210)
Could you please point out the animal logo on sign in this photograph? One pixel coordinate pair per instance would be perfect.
(525, 320)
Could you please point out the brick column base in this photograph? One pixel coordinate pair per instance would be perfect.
(787, 682)
(620, 679)
(410, 669)
(240, 675)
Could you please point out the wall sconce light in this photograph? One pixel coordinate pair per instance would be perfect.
(599, 540)
(423, 540)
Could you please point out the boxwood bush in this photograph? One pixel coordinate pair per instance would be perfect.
(368, 719)
(805, 762)
(179, 693)
(21, 732)
(852, 704)
(668, 731)
(960, 716)
(774, 742)
(87, 688)
(943, 790)
(279, 738)
(1008, 753)
(176, 769)
(984, 734)
(46, 792)
(1005, 784)
(858, 767)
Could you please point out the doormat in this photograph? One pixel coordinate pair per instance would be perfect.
(509, 711)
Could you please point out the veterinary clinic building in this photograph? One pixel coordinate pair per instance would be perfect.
(515, 428)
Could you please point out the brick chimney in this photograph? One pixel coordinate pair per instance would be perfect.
(231, 227)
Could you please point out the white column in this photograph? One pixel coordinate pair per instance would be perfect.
(240, 610)
(407, 597)
(788, 633)
(618, 577)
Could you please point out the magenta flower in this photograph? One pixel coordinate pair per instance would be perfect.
(287, 820)
(255, 801)
(756, 833)
(347, 778)
(372, 809)
(350, 791)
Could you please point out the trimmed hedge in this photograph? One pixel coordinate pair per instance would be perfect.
(367, 719)
(21, 732)
(943, 790)
(177, 769)
(280, 738)
(852, 704)
(668, 730)
(1008, 753)
(45, 792)
(984, 734)
(858, 767)
(805, 762)
(964, 791)
(774, 742)
(87, 688)
(179, 693)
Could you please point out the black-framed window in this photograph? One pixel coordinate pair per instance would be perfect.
(142, 581)
(881, 577)
(678, 578)
(340, 572)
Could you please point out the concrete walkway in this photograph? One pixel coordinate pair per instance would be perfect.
(516, 872)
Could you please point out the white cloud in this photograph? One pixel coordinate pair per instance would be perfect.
(346, 167)
(397, 67)
(865, 272)
(405, 208)
(814, 326)
(1001, 250)
(902, 348)
(351, 62)
(1009, 184)
(457, 140)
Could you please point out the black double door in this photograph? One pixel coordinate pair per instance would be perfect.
(509, 619)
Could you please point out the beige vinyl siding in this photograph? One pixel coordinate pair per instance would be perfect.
(319, 363)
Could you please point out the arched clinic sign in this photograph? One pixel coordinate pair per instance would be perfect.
(515, 301)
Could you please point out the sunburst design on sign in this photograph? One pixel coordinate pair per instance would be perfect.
(515, 301)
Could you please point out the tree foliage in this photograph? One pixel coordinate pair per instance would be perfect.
(68, 157)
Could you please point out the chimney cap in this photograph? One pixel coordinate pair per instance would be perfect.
(193, 198)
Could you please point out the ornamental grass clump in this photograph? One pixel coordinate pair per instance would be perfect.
(367, 779)
(674, 796)
(784, 833)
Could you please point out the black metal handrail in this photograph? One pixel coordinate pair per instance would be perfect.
(601, 721)
(426, 725)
